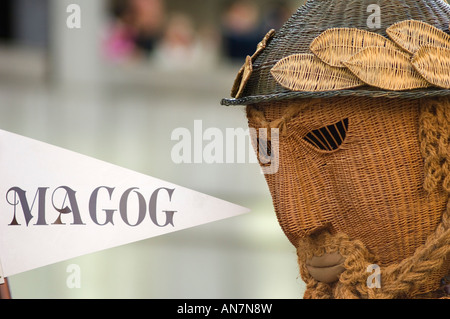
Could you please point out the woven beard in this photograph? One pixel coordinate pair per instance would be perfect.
(398, 281)
(375, 194)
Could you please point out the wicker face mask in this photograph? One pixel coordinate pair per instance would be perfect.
(353, 168)
(364, 158)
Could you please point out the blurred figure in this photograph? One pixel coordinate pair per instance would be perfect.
(241, 29)
(136, 28)
(179, 47)
(278, 13)
(119, 42)
(146, 19)
(210, 44)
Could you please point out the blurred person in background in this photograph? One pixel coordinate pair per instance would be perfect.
(241, 29)
(148, 17)
(278, 13)
(179, 47)
(136, 28)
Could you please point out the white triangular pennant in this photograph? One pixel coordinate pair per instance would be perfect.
(56, 205)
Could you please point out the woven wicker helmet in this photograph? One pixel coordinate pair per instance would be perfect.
(363, 155)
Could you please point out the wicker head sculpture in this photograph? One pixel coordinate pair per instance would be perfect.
(363, 113)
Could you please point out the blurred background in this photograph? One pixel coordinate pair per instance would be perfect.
(115, 89)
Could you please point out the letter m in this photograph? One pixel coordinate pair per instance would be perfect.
(19, 197)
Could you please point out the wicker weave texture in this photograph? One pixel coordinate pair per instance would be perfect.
(316, 17)
(338, 45)
(305, 72)
(371, 187)
(366, 177)
(411, 35)
(386, 68)
(433, 64)
(242, 78)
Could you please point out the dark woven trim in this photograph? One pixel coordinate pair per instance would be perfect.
(413, 94)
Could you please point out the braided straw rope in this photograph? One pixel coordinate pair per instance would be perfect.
(435, 144)
(402, 280)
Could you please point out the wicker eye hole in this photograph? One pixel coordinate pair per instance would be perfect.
(328, 138)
